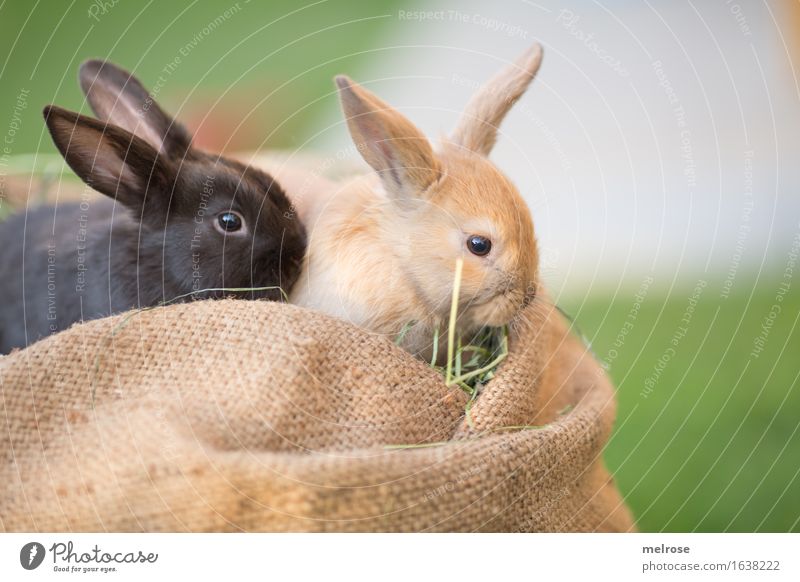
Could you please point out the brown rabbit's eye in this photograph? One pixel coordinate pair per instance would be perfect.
(229, 221)
(479, 245)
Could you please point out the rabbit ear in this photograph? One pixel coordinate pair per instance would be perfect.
(477, 128)
(118, 97)
(110, 159)
(390, 143)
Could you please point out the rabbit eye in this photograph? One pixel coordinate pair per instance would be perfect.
(479, 245)
(230, 222)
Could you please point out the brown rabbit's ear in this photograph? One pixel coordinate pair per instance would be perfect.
(118, 97)
(110, 159)
(390, 143)
(477, 128)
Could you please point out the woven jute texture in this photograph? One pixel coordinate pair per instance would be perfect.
(239, 415)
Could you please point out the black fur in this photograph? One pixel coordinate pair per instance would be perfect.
(152, 240)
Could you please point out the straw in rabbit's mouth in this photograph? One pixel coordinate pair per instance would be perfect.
(468, 366)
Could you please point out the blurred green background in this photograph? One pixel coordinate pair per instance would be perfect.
(239, 74)
(714, 446)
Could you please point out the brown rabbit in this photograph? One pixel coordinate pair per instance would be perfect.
(383, 248)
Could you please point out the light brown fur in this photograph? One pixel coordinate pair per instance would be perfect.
(383, 248)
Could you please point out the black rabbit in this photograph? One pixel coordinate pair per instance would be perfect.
(176, 221)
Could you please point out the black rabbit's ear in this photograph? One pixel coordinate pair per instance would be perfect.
(118, 97)
(112, 161)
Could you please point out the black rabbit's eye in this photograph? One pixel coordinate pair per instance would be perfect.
(230, 221)
(479, 245)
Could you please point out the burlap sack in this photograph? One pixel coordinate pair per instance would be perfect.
(236, 415)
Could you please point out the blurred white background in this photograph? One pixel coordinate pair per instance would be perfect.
(658, 136)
